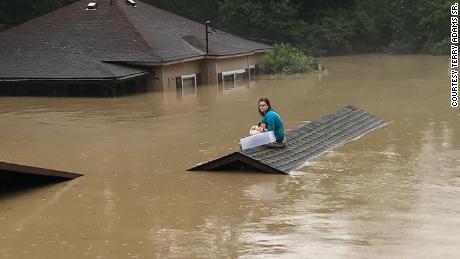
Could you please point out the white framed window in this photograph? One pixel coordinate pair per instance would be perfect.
(234, 72)
(228, 78)
(188, 81)
(187, 84)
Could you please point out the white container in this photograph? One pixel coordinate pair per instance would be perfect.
(257, 140)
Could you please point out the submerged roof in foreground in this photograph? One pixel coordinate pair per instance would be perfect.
(16, 169)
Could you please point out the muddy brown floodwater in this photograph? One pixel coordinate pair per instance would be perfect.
(394, 193)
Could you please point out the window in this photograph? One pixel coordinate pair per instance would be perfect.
(187, 83)
(229, 78)
(252, 72)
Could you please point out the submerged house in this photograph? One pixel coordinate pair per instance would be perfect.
(120, 45)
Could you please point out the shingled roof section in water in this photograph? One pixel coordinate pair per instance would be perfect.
(16, 169)
(302, 144)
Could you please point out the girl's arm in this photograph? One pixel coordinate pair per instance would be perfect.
(270, 124)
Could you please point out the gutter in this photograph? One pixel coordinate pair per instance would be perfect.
(87, 80)
(187, 59)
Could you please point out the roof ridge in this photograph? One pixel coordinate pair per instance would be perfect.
(152, 52)
(162, 12)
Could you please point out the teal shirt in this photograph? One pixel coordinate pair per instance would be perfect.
(275, 124)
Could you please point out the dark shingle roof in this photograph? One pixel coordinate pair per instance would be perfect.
(16, 169)
(111, 33)
(62, 66)
(303, 144)
(104, 34)
(169, 35)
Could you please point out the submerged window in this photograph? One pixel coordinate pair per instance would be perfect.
(229, 78)
(252, 72)
(187, 83)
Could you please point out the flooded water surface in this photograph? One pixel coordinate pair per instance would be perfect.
(394, 193)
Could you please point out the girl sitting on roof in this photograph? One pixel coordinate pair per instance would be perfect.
(272, 121)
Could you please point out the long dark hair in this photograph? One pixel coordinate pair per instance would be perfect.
(265, 100)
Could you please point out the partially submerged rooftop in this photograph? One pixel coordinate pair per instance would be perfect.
(302, 144)
(73, 42)
(17, 169)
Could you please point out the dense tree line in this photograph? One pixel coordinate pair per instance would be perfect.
(319, 27)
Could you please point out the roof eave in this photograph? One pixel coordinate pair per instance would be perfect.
(235, 54)
(198, 57)
(54, 80)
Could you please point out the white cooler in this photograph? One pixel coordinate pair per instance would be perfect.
(257, 140)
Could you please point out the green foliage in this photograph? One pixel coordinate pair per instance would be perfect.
(332, 27)
(399, 47)
(439, 48)
(285, 59)
(270, 19)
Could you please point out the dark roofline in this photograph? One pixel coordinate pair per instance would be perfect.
(87, 80)
(237, 54)
(235, 157)
(31, 170)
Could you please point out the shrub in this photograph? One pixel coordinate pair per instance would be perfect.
(285, 59)
(399, 47)
(439, 48)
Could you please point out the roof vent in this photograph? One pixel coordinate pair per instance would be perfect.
(91, 6)
(131, 3)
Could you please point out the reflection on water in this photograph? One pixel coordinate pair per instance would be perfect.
(392, 193)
